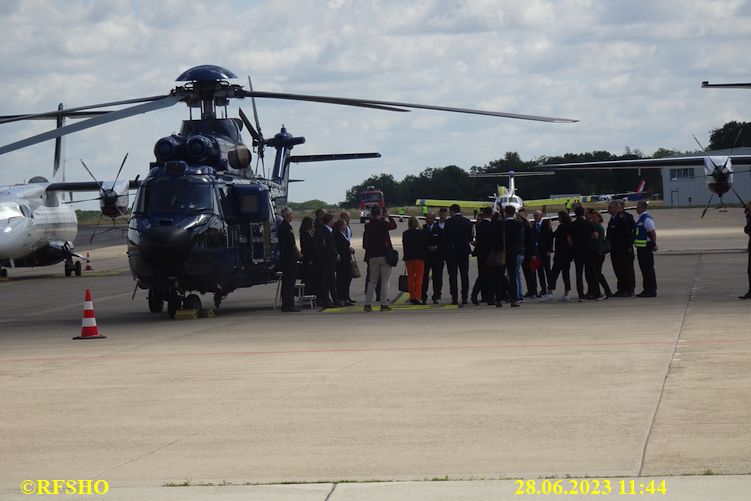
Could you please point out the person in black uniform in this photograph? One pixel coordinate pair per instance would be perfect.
(328, 256)
(434, 261)
(620, 234)
(457, 232)
(583, 232)
(288, 256)
(747, 230)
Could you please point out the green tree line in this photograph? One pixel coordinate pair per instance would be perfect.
(453, 182)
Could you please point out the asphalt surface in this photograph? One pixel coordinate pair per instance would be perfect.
(418, 403)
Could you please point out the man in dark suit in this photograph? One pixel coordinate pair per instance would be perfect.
(457, 233)
(620, 234)
(434, 262)
(328, 256)
(288, 256)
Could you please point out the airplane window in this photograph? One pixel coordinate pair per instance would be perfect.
(26, 211)
(10, 210)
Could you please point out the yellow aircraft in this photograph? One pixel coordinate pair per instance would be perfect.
(503, 197)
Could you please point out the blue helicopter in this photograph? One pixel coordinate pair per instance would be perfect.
(203, 220)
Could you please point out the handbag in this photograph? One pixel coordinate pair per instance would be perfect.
(354, 270)
(392, 256)
(403, 283)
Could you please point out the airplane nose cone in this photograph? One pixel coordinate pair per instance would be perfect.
(13, 238)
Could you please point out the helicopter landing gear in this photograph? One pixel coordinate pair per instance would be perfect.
(192, 302)
(174, 302)
(156, 301)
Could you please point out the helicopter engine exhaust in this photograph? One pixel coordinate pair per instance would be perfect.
(168, 148)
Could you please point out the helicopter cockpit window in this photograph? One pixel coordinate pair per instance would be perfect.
(10, 210)
(178, 196)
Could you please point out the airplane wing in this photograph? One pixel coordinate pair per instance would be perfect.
(468, 204)
(86, 186)
(551, 201)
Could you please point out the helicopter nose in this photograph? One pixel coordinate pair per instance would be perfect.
(165, 244)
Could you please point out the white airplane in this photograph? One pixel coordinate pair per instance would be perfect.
(37, 227)
(502, 198)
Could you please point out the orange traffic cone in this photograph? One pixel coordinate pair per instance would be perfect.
(88, 323)
(88, 263)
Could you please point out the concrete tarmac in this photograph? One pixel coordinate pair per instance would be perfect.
(418, 403)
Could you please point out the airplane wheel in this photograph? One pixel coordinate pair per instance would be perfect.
(217, 300)
(68, 271)
(78, 269)
(3, 273)
(362, 220)
(156, 302)
(173, 304)
(192, 302)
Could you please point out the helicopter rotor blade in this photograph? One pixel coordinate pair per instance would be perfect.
(153, 105)
(255, 110)
(254, 134)
(399, 106)
(73, 111)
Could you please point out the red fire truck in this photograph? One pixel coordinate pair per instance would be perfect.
(369, 198)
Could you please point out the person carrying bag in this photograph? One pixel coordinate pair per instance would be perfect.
(379, 252)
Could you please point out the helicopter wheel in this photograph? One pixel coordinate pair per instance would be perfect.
(77, 268)
(173, 304)
(156, 301)
(192, 302)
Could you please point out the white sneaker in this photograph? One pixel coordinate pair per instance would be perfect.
(566, 299)
(546, 297)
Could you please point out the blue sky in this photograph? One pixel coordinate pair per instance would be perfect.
(629, 70)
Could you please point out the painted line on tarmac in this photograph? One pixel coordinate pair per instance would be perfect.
(74, 306)
(367, 350)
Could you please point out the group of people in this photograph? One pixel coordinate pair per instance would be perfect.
(323, 262)
(512, 254)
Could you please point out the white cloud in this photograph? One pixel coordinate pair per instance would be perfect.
(630, 70)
